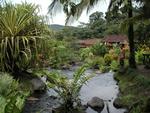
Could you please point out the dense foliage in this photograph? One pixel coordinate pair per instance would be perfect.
(56, 53)
(75, 9)
(27, 43)
(97, 27)
(11, 96)
(20, 28)
(132, 82)
(99, 49)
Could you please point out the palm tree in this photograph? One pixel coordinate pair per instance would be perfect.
(74, 9)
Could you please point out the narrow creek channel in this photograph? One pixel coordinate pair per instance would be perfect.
(102, 85)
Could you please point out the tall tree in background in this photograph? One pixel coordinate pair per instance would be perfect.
(132, 62)
(74, 8)
(97, 24)
(127, 5)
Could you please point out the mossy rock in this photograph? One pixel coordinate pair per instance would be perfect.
(118, 103)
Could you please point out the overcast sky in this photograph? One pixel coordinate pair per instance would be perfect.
(60, 18)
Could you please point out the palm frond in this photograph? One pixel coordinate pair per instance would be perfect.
(56, 6)
(73, 9)
(134, 20)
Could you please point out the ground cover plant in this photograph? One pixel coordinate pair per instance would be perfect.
(134, 89)
(11, 96)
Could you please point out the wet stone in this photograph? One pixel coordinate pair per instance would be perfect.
(96, 104)
(38, 84)
(32, 99)
(117, 103)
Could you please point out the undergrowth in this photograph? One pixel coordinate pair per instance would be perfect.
(135, 91)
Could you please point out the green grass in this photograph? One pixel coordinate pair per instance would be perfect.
(135, 91)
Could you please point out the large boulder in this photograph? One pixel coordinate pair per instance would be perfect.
(38, 84)
(117, 103)
(96, 104)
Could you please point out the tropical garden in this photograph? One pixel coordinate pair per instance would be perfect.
(36, 59)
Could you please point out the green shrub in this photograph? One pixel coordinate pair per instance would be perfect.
(104, 68)
(108, 59)
(12, 99)
(98, 61)
(128, 99)
(113, 54)
(114, 65)
(136, 109)
(142, 81)
(60, 54)
(135, 90)
(99, 49)
(126, 62)
(95, 62)
(7, 84)
(3, 103)
(89, 61)
(85, 53)
(20, 28)
(139, 56)
(116, 49)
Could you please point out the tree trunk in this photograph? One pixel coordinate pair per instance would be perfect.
(132, 62)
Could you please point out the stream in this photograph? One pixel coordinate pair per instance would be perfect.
(102, 85)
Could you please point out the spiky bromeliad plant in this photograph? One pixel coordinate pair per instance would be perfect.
(18, 36)
(68, 89)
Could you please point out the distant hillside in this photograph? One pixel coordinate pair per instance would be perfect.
(56, 27)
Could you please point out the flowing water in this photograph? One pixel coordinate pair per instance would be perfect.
(102, 85)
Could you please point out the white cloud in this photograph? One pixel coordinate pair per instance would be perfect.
(60, 18)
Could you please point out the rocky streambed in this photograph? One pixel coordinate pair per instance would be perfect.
(102, 86)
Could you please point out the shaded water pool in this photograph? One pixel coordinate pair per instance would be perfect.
(102, 85)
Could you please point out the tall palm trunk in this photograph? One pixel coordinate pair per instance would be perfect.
(132, 62)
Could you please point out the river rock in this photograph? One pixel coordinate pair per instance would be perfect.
(98, 72)
(38, 84)
(117, 103)
(65, 67)
(96, 104)
(96, 66)
(32, 99)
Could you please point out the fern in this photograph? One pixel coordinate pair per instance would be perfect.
(67, 89)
